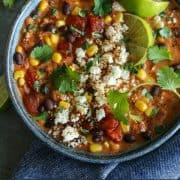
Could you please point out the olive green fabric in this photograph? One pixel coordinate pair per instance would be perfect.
(14, 136)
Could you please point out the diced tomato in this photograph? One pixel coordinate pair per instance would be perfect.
(111, 127)
(96, 24)
(115, 135)
(31, 77)
(109, 123)
(77, 22)
(79, 42)
(32, 102)
(65, 47)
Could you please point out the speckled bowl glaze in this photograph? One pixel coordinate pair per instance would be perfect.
(59, 147)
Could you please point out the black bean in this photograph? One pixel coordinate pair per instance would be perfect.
(49, 104)
(96, 138)
(34, 14)
(41, 108)
(147, 135)
(97, 132)
(49, 123)
(129, 138)
(18, 58)
(70, 37)
(66, 8)
(48, 27)
(155, 90)
(176, 67)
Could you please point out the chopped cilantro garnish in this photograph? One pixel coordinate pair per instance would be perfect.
(165, 32)
(156, 53)
(97, 35)
(119, 105)
(74, 29)
(8, 3)
(43, 53)
(131, 68)
(54, 11)
(135, 117)
(168, 79)
(85, 45)
(147, 94)
(65, 79)
(42, 116)
(83, 13)
(154, 112)
(102, 7)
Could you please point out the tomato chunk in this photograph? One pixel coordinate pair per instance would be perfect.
(109, 123)
(32, 102)
(115, 135)
(77, 22)
(65, 47)
(79, 42)
(111, 127)
(96, 24)
(31, 77)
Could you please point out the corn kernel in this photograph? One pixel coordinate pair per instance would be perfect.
(19, 74)
(141, 105)
(34, 62)
(106, 144)
(119, 17)
(161, 39)
(64, 104)
(145, 99)
(142, 74)
(115, 146)
(148, 112)
(76, 11)
(88, 97)
(92, 50)
(43, 5)
(60, 23)
(108, 20)
(55, 39)
(125, 128)
(19, 49)
(95, 148)
(21, 82)
(149, 79)
(48, 41)
(57, 57)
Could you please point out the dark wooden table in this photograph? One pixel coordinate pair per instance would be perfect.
(15, 138)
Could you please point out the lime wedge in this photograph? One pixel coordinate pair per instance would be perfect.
(3, 94)
(145, 8)
(139, 38)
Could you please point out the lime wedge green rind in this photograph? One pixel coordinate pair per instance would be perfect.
(140, 38)
(4, 98)
(144, 8)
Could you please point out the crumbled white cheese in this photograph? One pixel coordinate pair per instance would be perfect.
(122, 58)
(107, 46)
(125, 74)
(158, 22)
(83, 78)
(117, 7)
(95, 70)
(82, 109)
(62, 117)
(75, 117)
(100, 114)
(108, 57)
(69, 134)
(81, 99)
(80, 53)
(101, 99)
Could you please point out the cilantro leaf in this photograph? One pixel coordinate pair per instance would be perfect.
(42, 116)
(156, 54)
(43, 53)
(168, 79)
(119, 105)
(8, 3)
(102, 7)
(165, 32)
(65, 79)
(135, 117)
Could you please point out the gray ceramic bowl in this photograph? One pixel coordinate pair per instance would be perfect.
(76, 154)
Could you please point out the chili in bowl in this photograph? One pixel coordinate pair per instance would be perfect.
(96, 82)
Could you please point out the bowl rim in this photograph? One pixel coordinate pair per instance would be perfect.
(43, 136)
